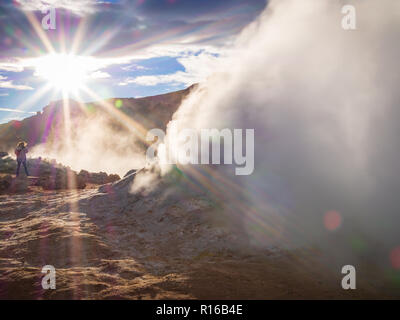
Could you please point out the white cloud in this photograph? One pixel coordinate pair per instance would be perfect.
(4, 94)
(134, 67)
(11, 66)
(79, 7)
(197, 69)
(140, 51)
(15, 110)
(9, 84)
(100, 75)
(172, 79)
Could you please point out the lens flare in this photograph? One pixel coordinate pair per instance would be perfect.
(332, 220)
(395, 258)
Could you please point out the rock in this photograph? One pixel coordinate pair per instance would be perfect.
(113, 178)
(98, 178)
(84, 174)
(61, 179)
(7, 165)
(3, 154)
(19, 184)
(5, 182)
(80, 182)
(120, 185)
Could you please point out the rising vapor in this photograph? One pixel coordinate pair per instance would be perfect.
(324, 104)
(94, 144)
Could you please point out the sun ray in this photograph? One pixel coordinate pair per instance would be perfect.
(35, 97)
(78, 36)
(67, 121)
(61, 36)
(39, 31)
(102, 40)
(129, 123)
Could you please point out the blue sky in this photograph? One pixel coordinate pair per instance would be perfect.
(122, 48)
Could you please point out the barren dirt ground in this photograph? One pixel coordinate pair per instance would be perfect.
(103, 248)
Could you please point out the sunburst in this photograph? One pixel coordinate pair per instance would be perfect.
(65, 72)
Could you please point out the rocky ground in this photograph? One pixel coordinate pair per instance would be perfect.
(108, 243)
(47, 174)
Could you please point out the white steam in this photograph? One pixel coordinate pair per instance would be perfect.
(324, 103)
(93, 144)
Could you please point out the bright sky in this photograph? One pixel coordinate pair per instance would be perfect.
(114, 48)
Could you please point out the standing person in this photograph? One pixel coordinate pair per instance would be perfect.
(21, 152)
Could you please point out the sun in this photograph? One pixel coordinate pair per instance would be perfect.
(64, 72)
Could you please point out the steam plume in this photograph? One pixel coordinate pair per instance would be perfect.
(324, 104)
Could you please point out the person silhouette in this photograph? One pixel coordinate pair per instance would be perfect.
(21, 152)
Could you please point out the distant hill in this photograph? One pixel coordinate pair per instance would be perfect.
(46, 127)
